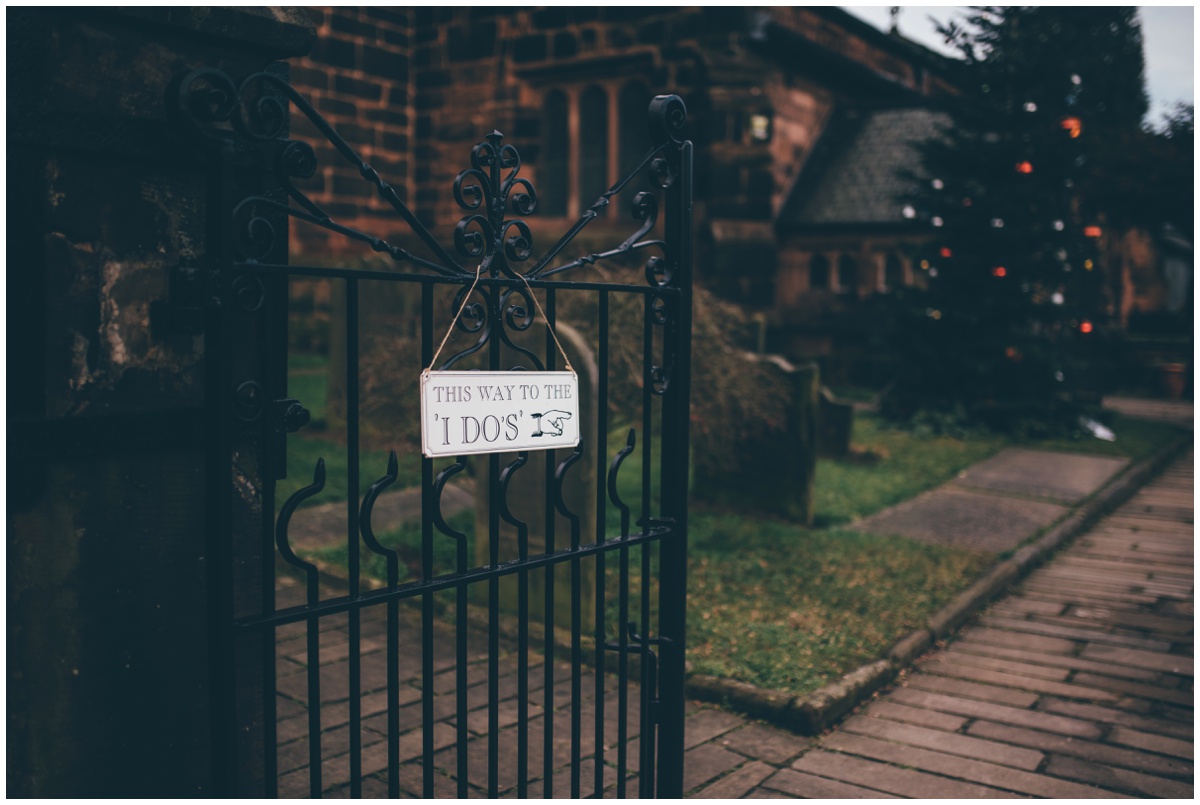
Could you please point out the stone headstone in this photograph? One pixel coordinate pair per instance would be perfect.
(835, 426)
(774, 475)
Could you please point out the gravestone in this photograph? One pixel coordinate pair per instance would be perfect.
(527, 496)
(775, 473)
(835, 426)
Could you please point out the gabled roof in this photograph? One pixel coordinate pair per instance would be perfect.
(857, 172)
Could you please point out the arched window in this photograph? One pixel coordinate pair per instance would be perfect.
(847, 274)
(632, 106)
(553, 179)
(818, 272)
(593, 146)
(893, 272)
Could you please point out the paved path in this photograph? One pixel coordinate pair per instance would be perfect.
(1000, 502)
(1079, 684)
(1176, 412)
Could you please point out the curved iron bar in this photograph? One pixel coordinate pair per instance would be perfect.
(323, 221)
(200, 108)
(207, 97)
(560, 477)
(539, 269)
(592, 259)
(643, 208)
(475, 318)
(613, 469)
(364, 520)
(518, 317)
(281, 528)
(506, 475)
(488, 237)
(439, 485)
(382, 188)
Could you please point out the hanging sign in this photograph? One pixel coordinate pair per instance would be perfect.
(464, 413)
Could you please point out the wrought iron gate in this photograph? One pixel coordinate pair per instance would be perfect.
(295, 685)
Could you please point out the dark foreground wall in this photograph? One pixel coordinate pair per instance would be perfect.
(108, 636)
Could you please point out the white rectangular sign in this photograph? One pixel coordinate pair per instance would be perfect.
(463, 413)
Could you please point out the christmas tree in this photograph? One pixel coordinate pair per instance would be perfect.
(1010, 274)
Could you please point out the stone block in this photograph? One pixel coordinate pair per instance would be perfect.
(836, 426)
(774, 474)
(1062, 477)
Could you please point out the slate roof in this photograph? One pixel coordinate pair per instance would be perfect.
(856, 173)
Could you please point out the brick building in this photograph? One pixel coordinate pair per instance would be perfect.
(569, 87)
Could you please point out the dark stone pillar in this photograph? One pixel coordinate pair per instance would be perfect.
(109, 655)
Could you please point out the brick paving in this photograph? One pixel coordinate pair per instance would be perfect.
(1079, 684)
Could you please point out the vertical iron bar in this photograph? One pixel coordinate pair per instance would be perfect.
(576, 664)
(218, 488)
(393, 692)
(493, 581)
(523, 663)
(427, 569)
(577, 649)
(269, 351)
(548, 606)
(673, 550)
(313, 635)
(460, 674)
(352, 470)
(645, 731)
(601, 528)
(622, 666)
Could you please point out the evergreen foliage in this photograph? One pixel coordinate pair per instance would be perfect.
(1011, 192)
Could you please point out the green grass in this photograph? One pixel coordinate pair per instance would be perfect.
(302, 455)
(908, 464)
(309, 388)
(780, 606)
(1136, 439)
(905, 465)
(306, 362)
(783, 607)
(308, 382)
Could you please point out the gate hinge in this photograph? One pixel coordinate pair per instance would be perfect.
(286, 416)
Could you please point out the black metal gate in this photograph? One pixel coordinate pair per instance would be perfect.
(430, 684)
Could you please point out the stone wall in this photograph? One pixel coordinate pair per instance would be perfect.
(108, 661)
(359, 77)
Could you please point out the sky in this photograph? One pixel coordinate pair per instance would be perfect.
(1168, 38)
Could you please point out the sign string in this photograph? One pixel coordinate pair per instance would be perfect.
(467, 297)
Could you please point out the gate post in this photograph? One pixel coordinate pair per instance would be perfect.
(670, 114)
(108, 655)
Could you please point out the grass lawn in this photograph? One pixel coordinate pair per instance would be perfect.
(906, 465)
(786, 607)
